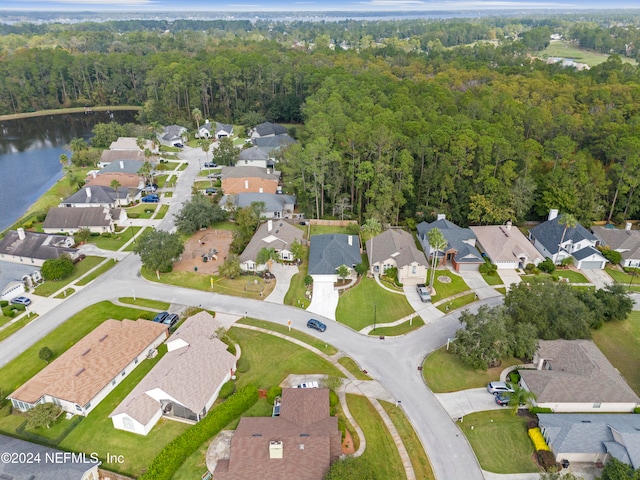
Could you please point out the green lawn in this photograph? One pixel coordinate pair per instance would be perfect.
(352, 366)
(620, 343)
(358, 305)
(573, 276)
(79, 269)
(183, 166)
(195, 465)
(566, 50)
(162, 212)
(492, 279)
(96, 273)
(458, 302)
(444, 372)
(445, 290)
(381, 452)
(116, 240)
(417, 455)
(14, 327)
(271, 359)
(131, 246)
(143, 210)
(65, 293)
(632, 283)
(325, 229)
(294, 333)
(145, 302)
(405, 327)
(500, 441)
(167, 194)
(297, 288)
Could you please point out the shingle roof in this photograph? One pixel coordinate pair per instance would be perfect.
(503, 244)
(110, 156)
(456, 238)
(226, 127)
(579, 373)
(250, 172)
(309, 436)
(40, 470)
(123, 166)
(190, 372)
(328, 252)
(253, 153)
(627, 242)
(87, 367)
(172, 131)
(276, 141)
(268, 128)
(99, 195)
(549, 234)
(63, 217)
(594, 433)
(129, 180)
(396, 244)
(11, 272)
(282, 236)
(272, 202)
(587, 252)
(35, 245)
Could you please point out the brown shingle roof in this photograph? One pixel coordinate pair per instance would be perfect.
(126, 179)
(396, 244)
(109, 156)
(309, 436)
(81, 372)
(504, 244)
(64, 217)
(281, 237)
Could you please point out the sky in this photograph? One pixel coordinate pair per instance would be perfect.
(248, 6)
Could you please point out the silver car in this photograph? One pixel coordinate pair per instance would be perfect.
(499, 387)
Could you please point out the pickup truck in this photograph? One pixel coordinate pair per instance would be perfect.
(423, 292)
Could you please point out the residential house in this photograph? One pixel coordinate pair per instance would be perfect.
(577, 243)
(397, 249)
(250, 180)
(267, 129)
(505, 246)
(215, 130)
(95, 219)
(172, 134)
(15, 278)
(46, 463)
(131, 144)
(80, 378)
(128, 180)
(255, 157)
(123, 166)
(184, 383)
(328, 252)
(574, 376)
(275, 142)
(100, 196)
(460, 249)
(20, 246)
(276, 206)
(593, 438)
(299, 444)
(109, 156)
(278, 235)
(626, 242)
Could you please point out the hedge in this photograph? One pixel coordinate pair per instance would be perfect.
(175, 453)
(536, 410)
(538, 440)
(227, 389)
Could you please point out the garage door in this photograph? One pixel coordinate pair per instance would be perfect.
(468, 267)
(590, 265)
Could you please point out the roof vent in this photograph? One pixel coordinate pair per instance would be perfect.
(86, 352)
(104, 338)
(275, 449)
(256, 434)
(80, 372)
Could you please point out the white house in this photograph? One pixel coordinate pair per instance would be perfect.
(64, 220)
(626, 242)
(215, 130)
(278, 235)
(184, 384)
(34, 248)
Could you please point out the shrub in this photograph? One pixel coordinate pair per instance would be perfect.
(353, 229)
(243, 365)
(611, 255)
(529, 268)
(488, 268)
(547, 460)
(536, 410)
(133, 215)
(533, 423)
(547, 265)
(636, 410)
(3, 303)
(308, 280)
(273, 393)
(514, 377)
(174, 454)
(333, 402)
(57, 268)
(106, 235)
(227, 389)
(538, 440)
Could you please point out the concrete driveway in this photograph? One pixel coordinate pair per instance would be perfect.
(477, 283)
(461, 403)
(509, 276)
(598, 277)
(324, 300)
(283, 274)
(426, 310)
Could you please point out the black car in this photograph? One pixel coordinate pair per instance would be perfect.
(316, 325)
(210, 165)
(179, 145)
(171, 320)
(160, 318)
(210, 191)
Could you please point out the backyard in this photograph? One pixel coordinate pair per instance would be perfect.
(367, 302)
(327, 229)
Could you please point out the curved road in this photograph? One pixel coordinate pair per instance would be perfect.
(393, 361)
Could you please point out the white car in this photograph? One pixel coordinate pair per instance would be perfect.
(499, 387)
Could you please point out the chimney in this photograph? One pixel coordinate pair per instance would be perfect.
(269, 225)
(553, 213)
(441, 216)
(121, 164)
(246, 184)
(509, 224)
(350, 240)
(275, 449)
(88, 190)
(21, 235)
(627, 226)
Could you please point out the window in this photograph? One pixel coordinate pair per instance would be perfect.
(413, 269)
(113, 382)
(124, 373)
(135, 361)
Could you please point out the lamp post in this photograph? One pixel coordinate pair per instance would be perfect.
(374, 317)
(631, 274)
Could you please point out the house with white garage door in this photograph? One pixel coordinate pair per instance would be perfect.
(397, 249)
(327, 253)
(506, 246)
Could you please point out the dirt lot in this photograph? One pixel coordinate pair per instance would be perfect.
(205, 242)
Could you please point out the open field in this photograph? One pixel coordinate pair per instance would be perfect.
(564, 49)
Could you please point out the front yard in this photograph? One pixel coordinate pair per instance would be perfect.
(632, 283)
(50, 286)
(446, 289)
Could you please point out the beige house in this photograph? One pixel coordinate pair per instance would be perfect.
(84, 375)
(574, 376)
(506, 246)
(276, 234)
(184, 383)
(397, 249)
(65, 220)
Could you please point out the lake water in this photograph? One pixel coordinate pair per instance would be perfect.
(30, 152)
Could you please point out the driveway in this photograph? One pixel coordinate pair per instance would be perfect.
(324, 300)
(283, 274)
(598, 277)
(461, 403)
(509, 276)
(477, 283)
(426, 310)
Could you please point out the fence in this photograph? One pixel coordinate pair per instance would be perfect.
(73, 423)
(332, 223)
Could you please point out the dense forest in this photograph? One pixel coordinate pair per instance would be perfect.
(402, 119)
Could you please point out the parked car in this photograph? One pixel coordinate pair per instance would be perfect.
(149, 189)
(179, 145)
(210, 165)
(21, 301)
(214, 175)
(161, 317)
(171, 320)
(502, 399)
(308, 385)
(210, 191)
(499, 387)
(423, 292)
(151, 199)
(316, 325)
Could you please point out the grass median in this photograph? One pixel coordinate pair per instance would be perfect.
(294, 333)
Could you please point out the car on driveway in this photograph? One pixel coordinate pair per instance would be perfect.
(502, 399)
(210, 165)
(316, 325)
(160, 318)
(151, 199)
(21, 301)
(499, 387)
(210, 191)
(171, 320)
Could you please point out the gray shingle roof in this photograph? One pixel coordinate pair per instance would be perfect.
(42, 470)
(586, 252)
(579, 373)
(276, 141)
(250, 172)
(328, 252)
(35, 245)
(396, 244)
(593, 433)
(63, 217)
(223, 127)
(456, 237)
(11, 272)
(281, 237)
(253, 153)
(549, 234)
(627, 242)
(99, 195)
(268, 128)
(123, 166)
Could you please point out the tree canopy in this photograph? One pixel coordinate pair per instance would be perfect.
(197, 213)
(159, 250)
(57, 268)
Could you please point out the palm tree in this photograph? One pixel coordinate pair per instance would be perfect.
(569, 221)
(520, 396)
(372, 227)
(205, 145)
(437, 242)
(77, 145)
(197, 116)
(115, 184)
